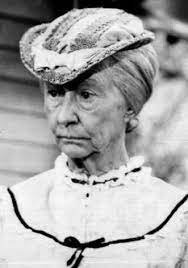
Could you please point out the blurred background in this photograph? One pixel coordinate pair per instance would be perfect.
(26, 144)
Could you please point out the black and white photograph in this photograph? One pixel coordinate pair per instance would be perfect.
(93, 134)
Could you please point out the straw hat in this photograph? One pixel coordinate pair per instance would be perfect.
(68, 46)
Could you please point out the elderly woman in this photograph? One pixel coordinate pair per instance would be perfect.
(97, 207)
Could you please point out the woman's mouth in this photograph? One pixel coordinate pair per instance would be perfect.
(72, 138)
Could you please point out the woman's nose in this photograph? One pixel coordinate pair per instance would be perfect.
(66, 111)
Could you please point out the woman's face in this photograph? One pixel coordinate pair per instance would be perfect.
(86, 117)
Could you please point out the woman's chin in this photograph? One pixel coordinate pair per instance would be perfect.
(74, 151)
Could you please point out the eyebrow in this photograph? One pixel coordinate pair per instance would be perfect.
(89, 81)
(76, 84)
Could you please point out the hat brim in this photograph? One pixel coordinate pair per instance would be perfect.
(58, 75)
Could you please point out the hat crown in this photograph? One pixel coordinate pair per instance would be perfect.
(84, 28)
(74, 42)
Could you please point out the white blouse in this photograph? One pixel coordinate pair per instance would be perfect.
(125, 218)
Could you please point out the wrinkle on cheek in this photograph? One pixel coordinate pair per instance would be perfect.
(98, 140)
(99, 130)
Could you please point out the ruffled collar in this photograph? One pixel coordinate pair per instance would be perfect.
(112, 178)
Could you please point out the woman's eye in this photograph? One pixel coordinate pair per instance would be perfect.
(53, 93)
(56, 92)
(85, 95)
(86, 99)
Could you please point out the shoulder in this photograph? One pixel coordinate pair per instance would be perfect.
(171, 203)
(38, 183)
(172, 206)
(168, 193)
(166, 190)
(154, 190)
(158, 201)
(158, 188)
(4, 199)
(30, 198)
(35, 188)
(170, 196)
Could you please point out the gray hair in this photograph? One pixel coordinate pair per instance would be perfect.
(133, 72)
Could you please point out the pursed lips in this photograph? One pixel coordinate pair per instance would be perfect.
(67, 137)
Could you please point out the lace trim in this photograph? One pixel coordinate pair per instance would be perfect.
(113, 177)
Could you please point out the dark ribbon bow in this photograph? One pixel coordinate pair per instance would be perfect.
(73, 242)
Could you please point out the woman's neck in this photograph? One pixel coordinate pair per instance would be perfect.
(100, 163)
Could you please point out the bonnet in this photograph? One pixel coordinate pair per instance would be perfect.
(59, 51)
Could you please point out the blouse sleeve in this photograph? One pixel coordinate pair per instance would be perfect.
(183, 260)
(3, 197)
(3, 210)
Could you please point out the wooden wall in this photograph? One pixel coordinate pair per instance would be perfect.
(26, 144)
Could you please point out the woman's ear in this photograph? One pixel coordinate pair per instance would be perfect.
(129, 115)
(131, 120)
